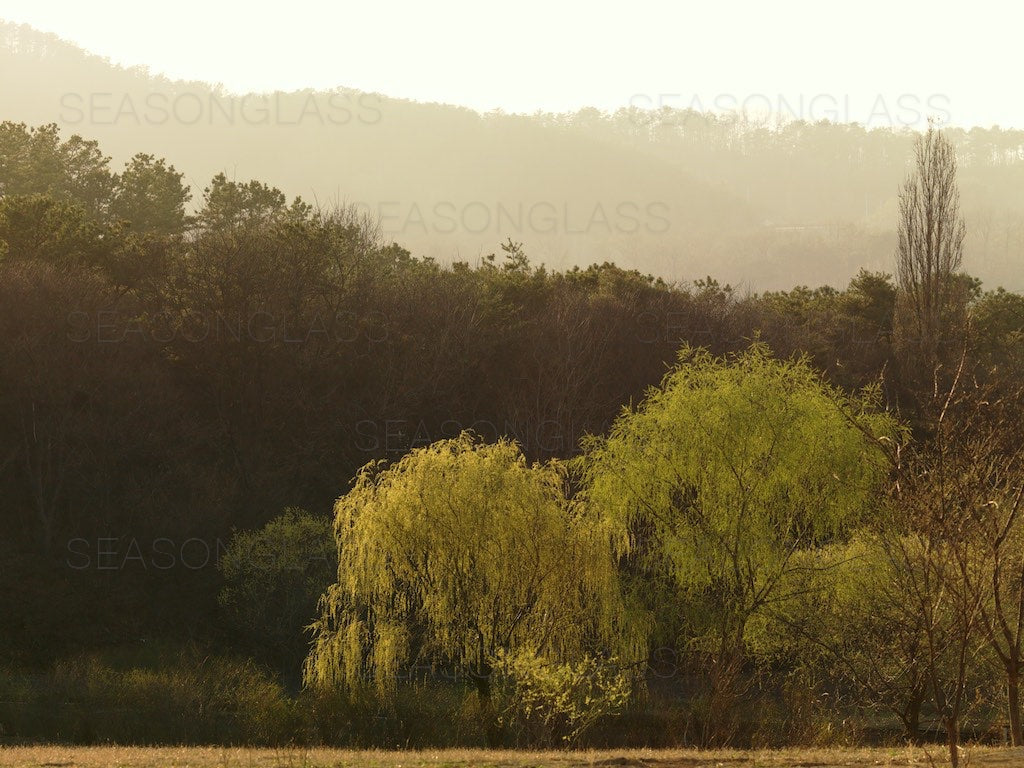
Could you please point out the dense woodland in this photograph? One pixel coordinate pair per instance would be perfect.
(180, 367)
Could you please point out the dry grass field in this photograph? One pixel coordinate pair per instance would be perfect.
(220, 757)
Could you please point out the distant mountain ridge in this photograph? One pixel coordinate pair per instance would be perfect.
(676, 193)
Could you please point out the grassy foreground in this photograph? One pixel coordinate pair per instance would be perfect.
(214, 757)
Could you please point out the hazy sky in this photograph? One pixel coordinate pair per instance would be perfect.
(874, 61)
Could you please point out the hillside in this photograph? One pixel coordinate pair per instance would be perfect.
(677, 193)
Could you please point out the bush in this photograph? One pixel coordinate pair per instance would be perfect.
(542, 703)
(195, 699)
(273, 579)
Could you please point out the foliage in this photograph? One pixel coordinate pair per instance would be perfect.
(725, 475)
(34, 161)
(727, 455)
(457, 554)
(273, 578)
(150, 196)
(41, 228)
(187, 698)
(551, 703)
(232, 203)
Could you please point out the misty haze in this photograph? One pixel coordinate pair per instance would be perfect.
(766, 192)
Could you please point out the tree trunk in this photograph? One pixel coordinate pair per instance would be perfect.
(482, 679)
(1013, 703)
(724, 692)
(953, 740)
(913, 716)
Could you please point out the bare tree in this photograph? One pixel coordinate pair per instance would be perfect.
(934, 560)
(1003, 617)
(929, 252)
(960, 549)
(996, 469)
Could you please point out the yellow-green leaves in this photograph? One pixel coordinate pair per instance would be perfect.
(455, 554)
(731, 468)
(557, 702)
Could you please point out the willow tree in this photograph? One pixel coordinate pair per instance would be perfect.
(723, 481)
(463, 554)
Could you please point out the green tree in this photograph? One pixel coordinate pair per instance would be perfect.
(460, 554)
(273, 578)
(35, 161)
(232, 203)
(40, 227)
(725, 479)
(150, 196)
(859, 623)
(997, 329)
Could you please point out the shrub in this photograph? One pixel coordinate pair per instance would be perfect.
(273, 578)
(193, 699)
(544, 703)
